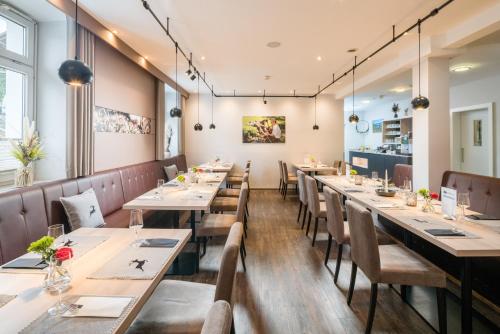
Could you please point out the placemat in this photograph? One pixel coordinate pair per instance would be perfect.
(45, 324)
(4, 299)
(134, 263)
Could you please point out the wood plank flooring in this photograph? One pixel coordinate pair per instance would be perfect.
(287, 288)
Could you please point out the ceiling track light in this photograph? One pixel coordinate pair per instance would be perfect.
(75, 72)
(212, 125)
(420, 102)
(353, 119)
(176, 111)
(316, 126)
(198, 126)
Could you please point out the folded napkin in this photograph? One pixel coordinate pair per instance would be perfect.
(160, 242)
(353, 190)
(386, 205)
(94, 306)
(444, 232)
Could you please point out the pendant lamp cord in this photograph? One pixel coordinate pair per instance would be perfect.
(315, 110)
(419, 57)
(212, 104)
(353, 68)
(77, 49)
(198, 98)
(176, 88)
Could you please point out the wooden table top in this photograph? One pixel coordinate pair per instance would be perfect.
(32, 301)
(311, 168)
(484, 240)
(197, 197)
(218, 167)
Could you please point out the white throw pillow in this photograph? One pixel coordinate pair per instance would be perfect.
(83, 210)
(171, 172)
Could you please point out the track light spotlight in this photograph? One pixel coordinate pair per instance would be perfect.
(198, 127)
(353, 119)
(188, 72)
(212, 126)
(192, 77)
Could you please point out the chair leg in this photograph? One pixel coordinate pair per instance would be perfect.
(243, 246)
(308, 224)
(441, 300)
(316, 221)
(304, 218)
(233, 331)
(354, 269)
(373, 304)
(327, 255)
(300, 211)
(339, 260)
(286, 190)
(243, 259)
(205, 240)
(246, 208)
(281, 183)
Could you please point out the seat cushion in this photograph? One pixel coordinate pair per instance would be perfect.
(175, 307)
(322, 210)
(224, 204)
(228, 192)
(399, 265)
(321, 197)
(213, 224)
(234, 179)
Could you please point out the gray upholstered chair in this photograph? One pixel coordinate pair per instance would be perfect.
(237, 179)
(315, 207)
(232, 192)
(280, 165)
(301, 183)
(390, 264)
(401, 174)
(288, 179)
(219, 319)
(221, 204)
(181, 306)
(215, 224)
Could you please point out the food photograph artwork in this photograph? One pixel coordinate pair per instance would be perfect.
(264, 129)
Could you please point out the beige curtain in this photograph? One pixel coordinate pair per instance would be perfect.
(160, 120)
(80, 109)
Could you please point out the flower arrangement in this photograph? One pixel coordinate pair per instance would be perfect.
(26, 151)
(354, 172)
(181, 178)
(43, 247)
(428, 197)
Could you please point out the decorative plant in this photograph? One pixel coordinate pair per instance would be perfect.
(43, 247)
(181, 178)
(28, 149)
(426, 194)
(354, 172)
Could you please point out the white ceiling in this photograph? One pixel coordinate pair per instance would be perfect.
(40, 10)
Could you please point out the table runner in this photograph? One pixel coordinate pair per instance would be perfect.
(45, 324)
(4, 299)
(134, 263)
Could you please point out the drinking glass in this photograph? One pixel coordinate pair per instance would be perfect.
(374, 175)
(136, 224)
(158, 189)
(56, 231)
(463, 201)
(160, 183)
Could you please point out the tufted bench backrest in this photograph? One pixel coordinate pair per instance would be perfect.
(484, 191)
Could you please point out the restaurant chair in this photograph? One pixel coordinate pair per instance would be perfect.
(181, 306)
(219, 319)
(216, 224)
(288, 179)
(228, 192)
(221, 204)
(316, 208)
(301, 183)
(401, 174)
(389, 264)
(237, 179)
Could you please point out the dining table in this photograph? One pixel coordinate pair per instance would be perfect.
(312, 169)
(224, 167)
(26, 312)
(480, 239)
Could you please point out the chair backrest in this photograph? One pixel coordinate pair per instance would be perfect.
(245, 177)
(401, 173)
(242, 201)
(248, 164)
(334, 215)
(285, 172)
(280, 164)
(219, 319)
(301, 183)
(312, 196)
(364, 246)
(229, 263)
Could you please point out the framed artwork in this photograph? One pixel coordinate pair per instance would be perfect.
(377, 125)
(264, 129)
(109, 120)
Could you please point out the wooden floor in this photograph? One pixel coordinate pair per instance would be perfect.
(287, 288)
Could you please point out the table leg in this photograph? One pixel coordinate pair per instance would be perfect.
(466, 297)
(193, 226)
(176, 219)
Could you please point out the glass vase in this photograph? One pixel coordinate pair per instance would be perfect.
(24, 176)
(428, 206)
(57, 281)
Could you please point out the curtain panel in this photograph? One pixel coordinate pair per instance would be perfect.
(160, 120)
(80, 109)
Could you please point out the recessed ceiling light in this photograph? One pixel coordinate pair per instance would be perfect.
(145, 57)
(115, 32)
(202, 57)
(461, 68)
(352, 50)
(365, 101)
(259, 91)
(318, 58)
(273, 44)
(400, 89)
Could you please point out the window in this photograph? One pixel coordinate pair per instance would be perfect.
(16, 84)
(172, 124)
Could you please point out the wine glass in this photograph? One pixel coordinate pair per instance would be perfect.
(59, 280)
(136, 223)
(463, 201)
(56, 231)
(339, 170)
(374, 175)
(160, 183)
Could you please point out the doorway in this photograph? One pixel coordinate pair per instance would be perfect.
(472, 145)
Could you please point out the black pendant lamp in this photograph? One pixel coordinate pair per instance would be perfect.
(315, 126)
(353, 118)
(75, 72)
(176, 111)
(420, 102)
(212, 125)
(198, 126)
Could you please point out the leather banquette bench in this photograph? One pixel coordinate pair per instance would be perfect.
(26, 213)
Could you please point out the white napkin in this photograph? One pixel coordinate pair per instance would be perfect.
(102, 307)
(149, 197)
(387, 205)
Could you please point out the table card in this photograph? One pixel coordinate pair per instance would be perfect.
(448, 202)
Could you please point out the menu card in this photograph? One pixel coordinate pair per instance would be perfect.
(448, 202)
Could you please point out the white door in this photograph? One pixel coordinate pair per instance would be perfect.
(474, 145)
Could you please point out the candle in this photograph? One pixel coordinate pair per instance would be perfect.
(386, 183)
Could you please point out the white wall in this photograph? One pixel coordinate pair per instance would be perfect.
(327, 144)
(51, 100)
(480, 91)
